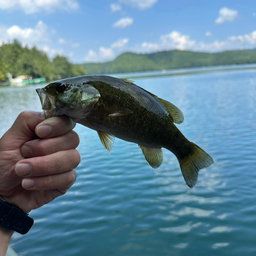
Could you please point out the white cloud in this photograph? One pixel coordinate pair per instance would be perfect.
(231, 43)
(254, 14)
(38, 36)
(173, 40)
(52, 52)
(115, 7)
(33, 6)
(176, 40)
(120, 43)
(226, 14)
(139, 4)
(214, 46)
(29, 36)
(75, 45)
(149, 47)
(208, 33)
(103, 54)
(248, 38)
(106, 53)
(61, 41)
(91, 57)
(123, 23)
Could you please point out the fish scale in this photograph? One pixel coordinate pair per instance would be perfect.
(119, 108)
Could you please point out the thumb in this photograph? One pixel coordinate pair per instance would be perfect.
(21, 131)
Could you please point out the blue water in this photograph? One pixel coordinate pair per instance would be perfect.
(121, 206)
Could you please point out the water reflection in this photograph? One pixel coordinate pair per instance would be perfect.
(135, 210)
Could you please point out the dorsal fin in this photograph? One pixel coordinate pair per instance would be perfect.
(174, 111)
(106, 140)
(128, 81)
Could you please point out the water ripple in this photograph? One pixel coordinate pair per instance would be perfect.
(121, 206)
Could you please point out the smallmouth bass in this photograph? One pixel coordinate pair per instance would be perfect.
(119, 108)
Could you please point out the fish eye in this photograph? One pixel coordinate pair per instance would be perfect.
(60, 88)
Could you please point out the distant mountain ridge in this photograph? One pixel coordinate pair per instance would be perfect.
(133, 62)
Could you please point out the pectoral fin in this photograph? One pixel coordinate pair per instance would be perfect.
(154, 156)
(106, 140)
(113, 111)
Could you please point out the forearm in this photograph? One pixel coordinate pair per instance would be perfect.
(5, 236)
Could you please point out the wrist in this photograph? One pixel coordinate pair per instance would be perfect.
(5, 237)
(5, 234)
(13, 218)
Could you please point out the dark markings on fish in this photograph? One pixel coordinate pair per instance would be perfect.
(119, 108)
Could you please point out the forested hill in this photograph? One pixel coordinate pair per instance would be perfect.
(132, 62)
(21, 60)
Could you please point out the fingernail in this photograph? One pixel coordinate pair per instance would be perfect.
(42, 115)
(26, 151)
(28, 183)
(44, 131)
(23, 169)
(75, 174)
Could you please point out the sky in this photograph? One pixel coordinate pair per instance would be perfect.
(100, 30)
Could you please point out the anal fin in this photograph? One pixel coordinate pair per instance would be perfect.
(154, 156)
(107, 140)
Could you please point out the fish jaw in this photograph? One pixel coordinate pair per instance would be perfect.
(48, 103)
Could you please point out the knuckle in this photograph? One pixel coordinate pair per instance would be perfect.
(51, 180)
(41, 149)
(24, 115)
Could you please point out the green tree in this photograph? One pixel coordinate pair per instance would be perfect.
(78, 70)
(21, 60)
(10, 54)
(62, 67)
(3, 71)
(27, 65)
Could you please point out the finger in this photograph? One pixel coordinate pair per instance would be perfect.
(61, 181)
(55, 163)
(42, 147)
(54, 126)
(22, 130)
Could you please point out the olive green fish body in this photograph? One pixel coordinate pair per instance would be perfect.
(118, 108)
(126, 117)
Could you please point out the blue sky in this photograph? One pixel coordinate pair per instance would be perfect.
(100, 30)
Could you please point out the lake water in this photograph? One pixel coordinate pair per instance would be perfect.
(121, 206)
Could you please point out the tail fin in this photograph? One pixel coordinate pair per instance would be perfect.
(192, 163)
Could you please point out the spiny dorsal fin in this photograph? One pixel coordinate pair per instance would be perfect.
(106, 140)
(174, 111)
(128, 81)
(154, 156)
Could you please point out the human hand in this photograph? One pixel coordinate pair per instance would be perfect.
(37, 158)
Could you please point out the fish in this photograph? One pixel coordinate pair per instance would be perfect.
(119, 108)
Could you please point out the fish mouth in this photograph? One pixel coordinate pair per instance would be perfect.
(47, 102)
